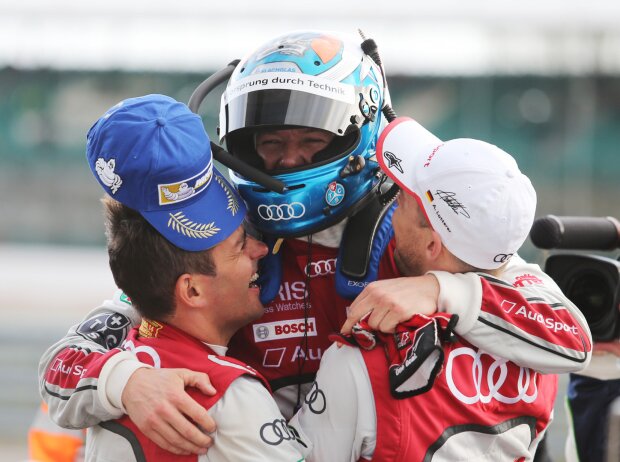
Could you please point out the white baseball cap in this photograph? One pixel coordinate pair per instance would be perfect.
(472, 193)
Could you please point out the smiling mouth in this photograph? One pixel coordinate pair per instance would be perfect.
(253, 280)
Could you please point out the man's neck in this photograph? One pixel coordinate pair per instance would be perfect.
(218, 349)
(202, 328)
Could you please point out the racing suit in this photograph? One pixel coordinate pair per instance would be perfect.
(250, 426)
(480, 407)
(287, 343)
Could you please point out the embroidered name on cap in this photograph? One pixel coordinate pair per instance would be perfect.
(431, 155)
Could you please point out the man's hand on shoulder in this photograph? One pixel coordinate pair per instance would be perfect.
(156, 401)
(393, 301)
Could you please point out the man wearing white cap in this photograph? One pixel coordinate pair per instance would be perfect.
(313, 125)
(426, 393)
(179, 251)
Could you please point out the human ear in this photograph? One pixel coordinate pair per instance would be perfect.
(189, 289)
(434, 246)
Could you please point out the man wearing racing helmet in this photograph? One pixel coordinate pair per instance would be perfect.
(306, 108)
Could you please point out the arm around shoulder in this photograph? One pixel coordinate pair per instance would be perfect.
(70, 370)
(520, 315)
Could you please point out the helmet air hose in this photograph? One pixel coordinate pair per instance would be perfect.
(369, 46)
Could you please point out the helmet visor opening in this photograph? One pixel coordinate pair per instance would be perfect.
(280, 107)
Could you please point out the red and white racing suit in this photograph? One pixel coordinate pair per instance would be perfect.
(287, 343)
(250, 426)
(481, 406)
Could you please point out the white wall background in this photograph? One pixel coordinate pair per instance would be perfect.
(439, 37)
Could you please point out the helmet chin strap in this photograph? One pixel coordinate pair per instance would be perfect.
(219, 153)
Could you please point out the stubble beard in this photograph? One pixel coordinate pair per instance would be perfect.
(408, 264)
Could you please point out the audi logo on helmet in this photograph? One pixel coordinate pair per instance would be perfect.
(321, 268)
(278, 212)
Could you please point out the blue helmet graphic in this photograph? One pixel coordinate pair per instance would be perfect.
(309, 79)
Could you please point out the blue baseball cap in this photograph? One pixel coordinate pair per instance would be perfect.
(153, 155)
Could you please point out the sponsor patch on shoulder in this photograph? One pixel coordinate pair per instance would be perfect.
(150, 329)
(106, 329)
(527, 280)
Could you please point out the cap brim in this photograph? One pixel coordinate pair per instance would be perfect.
(403, 147)
(202, 222)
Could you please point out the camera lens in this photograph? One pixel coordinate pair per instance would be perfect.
(593, 295)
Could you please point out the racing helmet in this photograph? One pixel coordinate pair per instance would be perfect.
(313, 79)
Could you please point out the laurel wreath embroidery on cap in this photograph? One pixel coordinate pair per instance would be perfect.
(188, 228)
(233, 205)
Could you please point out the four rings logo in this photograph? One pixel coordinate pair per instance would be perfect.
(505, 382)
(278, 212)
(275, 432)
(321, 268)
(502, 257)
(315, 399)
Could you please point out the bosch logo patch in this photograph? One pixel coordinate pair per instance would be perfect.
(262, 332)
(284, 329)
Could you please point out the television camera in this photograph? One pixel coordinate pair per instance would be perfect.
(591, 282)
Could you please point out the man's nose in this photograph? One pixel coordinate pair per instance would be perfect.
(291, 157)
(258, 248)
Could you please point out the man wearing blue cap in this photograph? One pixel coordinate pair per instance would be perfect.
(178, 249)
(307, 109)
